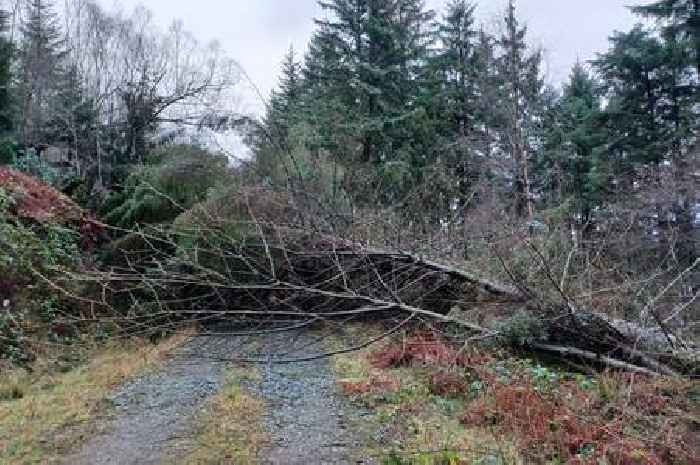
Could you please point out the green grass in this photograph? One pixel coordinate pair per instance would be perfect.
(230, 431)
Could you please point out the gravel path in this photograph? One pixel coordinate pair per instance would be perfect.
(153, 413)
(307, 419)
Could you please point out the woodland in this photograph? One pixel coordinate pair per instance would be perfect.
(413, 169)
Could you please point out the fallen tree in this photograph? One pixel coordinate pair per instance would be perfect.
(259, 262)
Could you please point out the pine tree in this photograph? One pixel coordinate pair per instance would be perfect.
(571, 169)
(381, 46)
(285, 101)
(327, 102)
(42, 53)
(73, 119)
(6, 57)
(521, 87)
(634, 73)
(456, 67)
(681, 21)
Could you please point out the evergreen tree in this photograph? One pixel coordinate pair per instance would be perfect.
(42, 53)
(451, 96)
(571, 168)
(6, 56)
(285, 101)
(681, 21)
(327, 104)
(456, 67)
(518, 73)
(73, 119)
(380, 46)
(635, 79)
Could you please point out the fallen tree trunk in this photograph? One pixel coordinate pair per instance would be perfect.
(296, 274)
(567, 352)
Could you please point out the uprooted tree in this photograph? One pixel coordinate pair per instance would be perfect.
(251, 258)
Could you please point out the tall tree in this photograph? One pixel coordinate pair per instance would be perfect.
(635, 78)
(381, 43)
(73, 119)
(456, 66)
(327, 102)
(42, 53)
(570, 167)
(285, 100)
(681, 20)
(521, 87)
(6, 56)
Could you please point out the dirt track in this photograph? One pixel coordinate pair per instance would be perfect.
(307, 420)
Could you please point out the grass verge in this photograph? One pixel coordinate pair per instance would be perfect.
(436, 405)
(230, 431)
(44, 413)
(415, 425)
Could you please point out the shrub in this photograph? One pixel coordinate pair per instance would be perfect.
(421, 348)
(174, 179)
(522, 329)
(446, 384)
(32, 164)
(8, 150)
(575, 425)
(33, 240)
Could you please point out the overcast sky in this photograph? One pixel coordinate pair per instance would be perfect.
(257, 33)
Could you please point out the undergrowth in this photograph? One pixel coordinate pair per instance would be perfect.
(437, 403)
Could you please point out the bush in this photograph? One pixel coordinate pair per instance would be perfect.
(522, 329)
(25, 300)
(173, 180)
(8, 151)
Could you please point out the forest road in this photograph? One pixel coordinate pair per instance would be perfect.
(307, 420)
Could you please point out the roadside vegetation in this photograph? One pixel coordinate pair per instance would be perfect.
(49, 407)
(229, 430)
(434, 402)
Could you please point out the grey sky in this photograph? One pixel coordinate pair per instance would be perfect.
(257, 33)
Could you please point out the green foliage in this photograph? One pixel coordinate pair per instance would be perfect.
(8, 151)
(423, 458)
(26, 250)
(174, 179)
(573, 145)
(284, 106)
(522, 329)
(681, 21)
(30, 163)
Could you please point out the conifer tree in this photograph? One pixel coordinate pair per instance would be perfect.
(6, 56)
(456, 64)
(327, 103)
(285, 101)
(634, 72)
(381, 44)
(73, 119)
(42, 52)
(681, 21)
(571, 168)
(518, 73)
